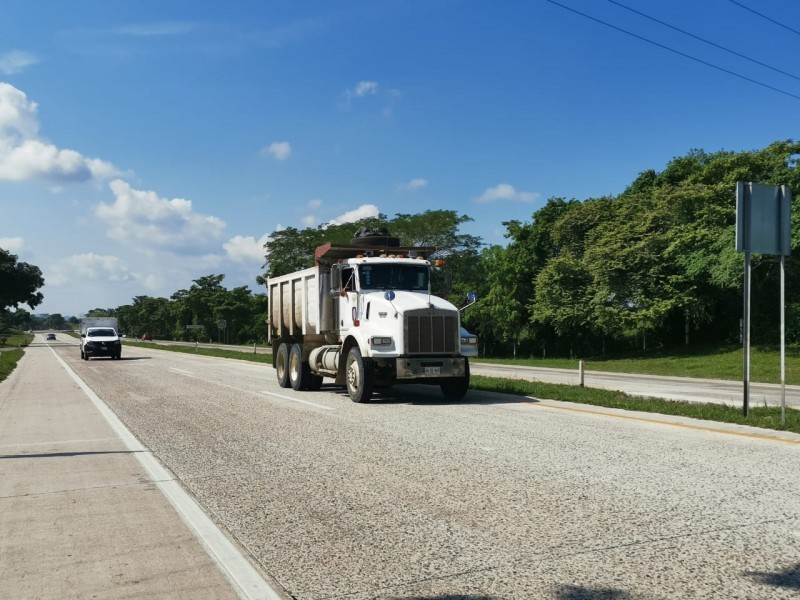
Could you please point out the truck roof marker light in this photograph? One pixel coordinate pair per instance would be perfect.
(439, 262)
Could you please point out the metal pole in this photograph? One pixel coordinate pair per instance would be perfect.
(746, 335)
(580, 373)
(783, 341)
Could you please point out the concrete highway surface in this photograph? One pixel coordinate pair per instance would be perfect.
(492, 497)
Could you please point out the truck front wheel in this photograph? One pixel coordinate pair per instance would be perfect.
(282, 365)
(299, 372)
(359, 376)
(455, 388)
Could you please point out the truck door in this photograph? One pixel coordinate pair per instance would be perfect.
(348, 300)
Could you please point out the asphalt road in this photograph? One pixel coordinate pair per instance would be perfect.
(493, 497)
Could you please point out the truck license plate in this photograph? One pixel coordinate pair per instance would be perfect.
(433, 371)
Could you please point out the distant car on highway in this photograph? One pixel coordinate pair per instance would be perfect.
(51, 336)
(469, 343)
(146, 337)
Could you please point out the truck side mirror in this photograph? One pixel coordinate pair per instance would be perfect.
(472, 298)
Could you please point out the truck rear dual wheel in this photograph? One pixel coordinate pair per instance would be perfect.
(282, 365)
(359, 376)
(299, 371)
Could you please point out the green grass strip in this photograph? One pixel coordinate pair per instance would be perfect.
(9, 360)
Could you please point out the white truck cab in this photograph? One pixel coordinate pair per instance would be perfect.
(364, 315)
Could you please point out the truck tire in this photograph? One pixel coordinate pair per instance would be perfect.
(359, 376)
(455, 388)
(282, 365)
(299, 371)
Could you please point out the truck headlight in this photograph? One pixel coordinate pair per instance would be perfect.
(381, 341)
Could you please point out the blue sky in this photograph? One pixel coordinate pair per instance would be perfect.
(145, 144)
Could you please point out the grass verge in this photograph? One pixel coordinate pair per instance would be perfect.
(764, 417)
(11, 352)
(9, 360)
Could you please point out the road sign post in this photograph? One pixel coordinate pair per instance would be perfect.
(763, 226)
(196, 329)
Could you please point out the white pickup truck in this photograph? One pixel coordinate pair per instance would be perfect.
(99, 337)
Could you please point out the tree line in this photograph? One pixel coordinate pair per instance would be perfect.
(653, 267)
(217, 314)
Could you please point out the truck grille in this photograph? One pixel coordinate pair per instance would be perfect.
(431, 334)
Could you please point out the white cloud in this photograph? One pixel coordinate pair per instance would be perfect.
(12, 244)
(314, 203)
(309, 221)
(360, 90)
(91, 267)
(278, 150)
(246, 248)
(364, 88)
(362, 212)
(16, 61)
(161, 28)
(416, 184)
(24, 157)
(505, 191)
(144, 220)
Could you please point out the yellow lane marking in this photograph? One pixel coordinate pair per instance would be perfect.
(755, 436)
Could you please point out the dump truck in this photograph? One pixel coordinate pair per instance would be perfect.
(100, 337)
(364, 315)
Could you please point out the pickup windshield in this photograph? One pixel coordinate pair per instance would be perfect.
(394, 277)
(101, 333)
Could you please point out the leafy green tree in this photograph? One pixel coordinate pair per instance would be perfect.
(562, 289)
(55, 321)
(19, 282)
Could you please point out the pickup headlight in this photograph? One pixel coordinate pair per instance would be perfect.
(470, 340)
(381, 341)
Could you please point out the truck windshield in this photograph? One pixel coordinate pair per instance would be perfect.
(101, 333)
(393, 277)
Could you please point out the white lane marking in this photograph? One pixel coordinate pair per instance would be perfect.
(246, 579)
(322, 406)
(177, 370)
(59, 442)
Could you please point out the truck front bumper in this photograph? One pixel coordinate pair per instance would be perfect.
(430, 367)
